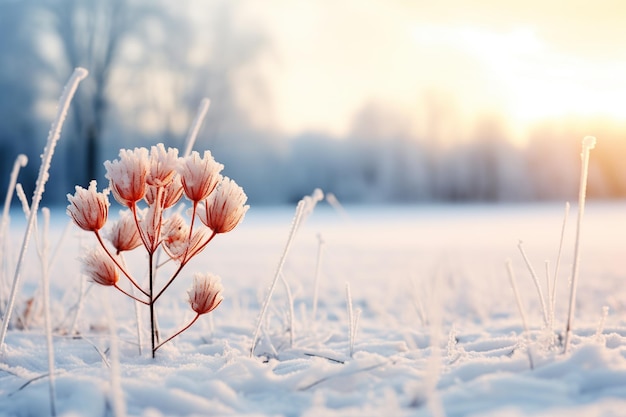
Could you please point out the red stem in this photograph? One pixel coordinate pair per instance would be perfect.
(118, 264)
(133, 208)
(178, 332)
(131, 296)
(193, 217)
(182, 264)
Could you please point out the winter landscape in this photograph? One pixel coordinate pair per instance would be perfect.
(438, 330)
(320, 209)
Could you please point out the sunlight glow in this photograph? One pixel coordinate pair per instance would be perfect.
(537, 82)
(511, 63)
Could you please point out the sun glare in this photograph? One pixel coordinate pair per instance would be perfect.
(534, 82)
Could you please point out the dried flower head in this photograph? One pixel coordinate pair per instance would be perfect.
(206, 293)
(151, 223)
(172, 193)
(175, 235)
(182, 248)
(99, 268)
(225, 208)
(88, 208)
(163, 165)
(127, 175)
(123, 234)
(200, 176)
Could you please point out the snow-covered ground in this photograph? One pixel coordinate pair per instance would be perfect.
(438, 330)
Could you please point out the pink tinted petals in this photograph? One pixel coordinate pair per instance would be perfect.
(200, 176)
(163, 164)
(88, 208)
(127, 175)
(172, 193)
(206, 293)
(123, 234)
(99, 268)
(225, 208)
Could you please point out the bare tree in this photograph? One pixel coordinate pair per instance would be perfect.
(90, 34)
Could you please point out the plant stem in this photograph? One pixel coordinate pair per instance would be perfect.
(589, 142)
(558, 261)
(45, 274)
(178, 332)
(186, 259)
(133, 209)
(118, 264)
(195, 125)
(151, 304)
(130, 295)
(533, 274)
(55, 132)
(294, 228)
(316, 283)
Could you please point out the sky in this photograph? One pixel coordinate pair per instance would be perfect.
(524, 61)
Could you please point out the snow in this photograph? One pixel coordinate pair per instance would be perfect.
(468, 355)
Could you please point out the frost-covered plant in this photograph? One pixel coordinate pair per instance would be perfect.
(589, 142)
(157, 180)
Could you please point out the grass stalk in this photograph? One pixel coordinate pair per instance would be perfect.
(520, 307)
(294, 228)
(558, 262)
(79, 306)
(291, 310)
(589, 142)
(137, 310)
(151, 304)
(303, 210)
(45, 269)
(316, 284)
(353, 318)
(535, 278)
(518, 299)
(350, 318)
(53, 137)
(549, 291)
(118, 404)
(20, 162)
(600, 328)
(195, 126)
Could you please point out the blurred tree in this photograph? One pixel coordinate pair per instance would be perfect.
(95, 35)
(18, 68)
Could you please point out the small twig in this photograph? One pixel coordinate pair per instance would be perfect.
(324, 357)
(27, 383)
(178, 332)
(100, 353)
(321, 380)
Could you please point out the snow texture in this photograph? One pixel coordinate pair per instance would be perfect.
(439, 331)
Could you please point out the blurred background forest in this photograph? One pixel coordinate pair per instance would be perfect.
(377, 102)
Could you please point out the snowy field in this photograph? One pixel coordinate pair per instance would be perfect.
(438, 330)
